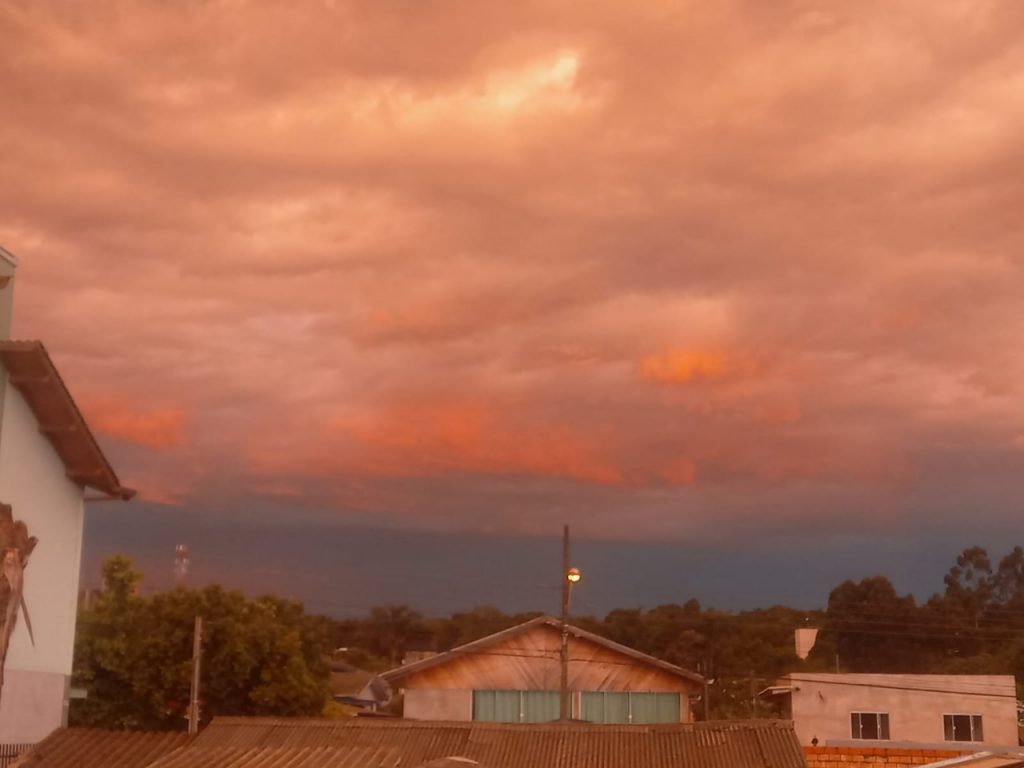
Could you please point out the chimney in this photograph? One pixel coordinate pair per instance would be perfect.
(8, 264)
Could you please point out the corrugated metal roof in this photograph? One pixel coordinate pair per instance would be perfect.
(88, 747)
(982, 760)
(746, 744)
(281, 757)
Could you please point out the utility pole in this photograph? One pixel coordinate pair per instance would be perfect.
(707, 691)
(753, 696)
(197, 655)
(564, 711)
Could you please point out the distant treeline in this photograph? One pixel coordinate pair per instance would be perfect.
(267, 656)
(972, 626)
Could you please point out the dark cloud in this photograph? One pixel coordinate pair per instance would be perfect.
(657, 268)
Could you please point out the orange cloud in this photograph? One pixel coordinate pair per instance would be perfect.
(694, 365)
(491, 211)
(779, 411)
(443, 438)
(680, 471)
(156, 428)
(468, 437)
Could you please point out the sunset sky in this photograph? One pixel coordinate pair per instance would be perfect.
(734, 288)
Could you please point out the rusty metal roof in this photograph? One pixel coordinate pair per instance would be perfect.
(740, 744)
(35, 376)
(398, 674)
(88, 747)
(281, 757)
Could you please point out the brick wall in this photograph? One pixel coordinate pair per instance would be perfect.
(875, 757)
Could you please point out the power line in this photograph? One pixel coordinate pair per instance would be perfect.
(822, 681)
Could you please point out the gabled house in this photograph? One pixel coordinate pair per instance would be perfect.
(513, 676)
(49, 460)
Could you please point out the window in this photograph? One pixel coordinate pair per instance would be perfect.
(515, 706)
(869, 725)
(629, 707)
(962, 727)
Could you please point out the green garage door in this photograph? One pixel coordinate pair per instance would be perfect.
(621, 707)
(515, 706)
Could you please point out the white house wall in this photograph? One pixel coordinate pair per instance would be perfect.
(34, 483)
(438, 704)
(822, 704)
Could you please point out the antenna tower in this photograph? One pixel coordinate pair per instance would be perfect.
(181, 562)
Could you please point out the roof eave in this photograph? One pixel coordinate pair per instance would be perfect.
(33, 373)
(400, 673)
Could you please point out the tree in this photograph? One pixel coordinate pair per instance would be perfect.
(390, 629)
(133, 654)
(1008, 582)
(467, 626)
(871, 628)
(969, 584)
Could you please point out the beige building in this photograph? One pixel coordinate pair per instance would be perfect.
(514, 676)
(48, 458)
(965, 711)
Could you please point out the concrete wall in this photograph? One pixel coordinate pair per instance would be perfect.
(34, 483)
(438, 704)
(822, 704)
(40, 706)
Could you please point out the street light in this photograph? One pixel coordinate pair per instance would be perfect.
(572, 577)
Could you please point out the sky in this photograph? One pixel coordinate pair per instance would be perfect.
(732, 288)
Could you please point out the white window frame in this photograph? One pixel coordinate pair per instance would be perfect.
(878, 724)
(971, 715)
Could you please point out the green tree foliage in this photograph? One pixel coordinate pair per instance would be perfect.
(390, 630)
(133, 655)
(868, 625)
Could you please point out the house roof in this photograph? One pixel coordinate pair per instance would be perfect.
(349, 683)
(86, 747)
(746, 744)
(33, 373)
(9, 257)
(281, 757)
(400, 673)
